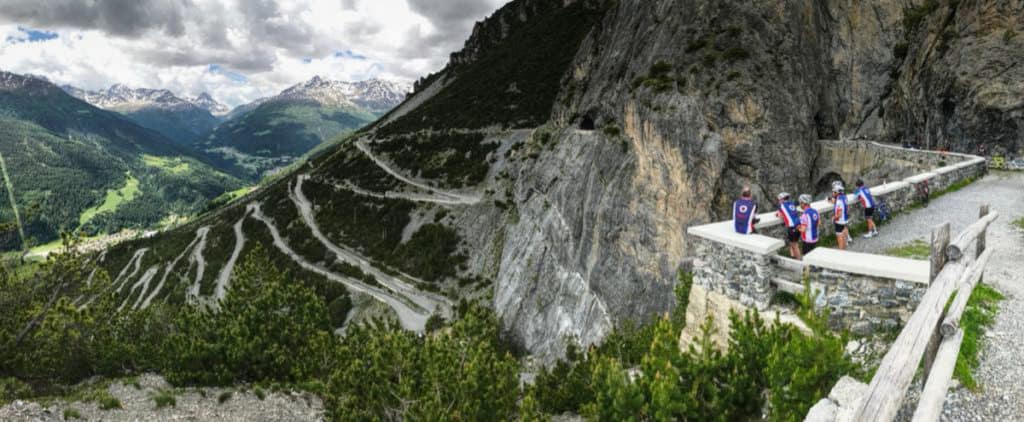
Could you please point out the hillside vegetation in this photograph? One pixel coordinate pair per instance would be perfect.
(275, 134)
(465, 370)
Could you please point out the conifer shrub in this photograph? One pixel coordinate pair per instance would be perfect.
(461, 373)
(267, 328)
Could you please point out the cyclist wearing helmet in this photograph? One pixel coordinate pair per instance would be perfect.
(744, 212)
(788, 213)
(810, 221)
(868, 202)
(840, 214)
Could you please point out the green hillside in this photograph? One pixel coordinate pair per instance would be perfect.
(183, 127)
(74, 166)
(276, 133)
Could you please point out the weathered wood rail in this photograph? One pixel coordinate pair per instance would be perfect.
(932, 332)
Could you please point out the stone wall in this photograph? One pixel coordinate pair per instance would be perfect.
(877, 163)
(740, 275)
(865, 304)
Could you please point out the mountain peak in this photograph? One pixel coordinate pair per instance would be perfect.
(377, 95)
(207, 102)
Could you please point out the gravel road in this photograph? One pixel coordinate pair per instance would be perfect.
(1001, 372)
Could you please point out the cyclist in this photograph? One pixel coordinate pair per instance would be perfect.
(868, 202)
(744, 212)
(787, 211)
(810, 221)
(840, 214)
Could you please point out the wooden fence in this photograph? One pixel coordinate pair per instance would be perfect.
(933, 331)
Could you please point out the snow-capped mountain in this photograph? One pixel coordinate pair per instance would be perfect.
(122, 98)
(206, 102)
(375, 95)
(181, 120)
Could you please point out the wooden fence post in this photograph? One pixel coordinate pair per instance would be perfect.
(981, 237)
(940, 240)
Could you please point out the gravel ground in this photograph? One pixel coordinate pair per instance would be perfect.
(1001, 372)
(192, 405)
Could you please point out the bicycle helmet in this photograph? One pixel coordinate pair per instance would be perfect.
(783, 195)
(837, 186)
(806, 199)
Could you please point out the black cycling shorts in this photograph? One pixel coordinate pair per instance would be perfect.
(808, 247)
(840, 228)
(868, 213)
(793, 235)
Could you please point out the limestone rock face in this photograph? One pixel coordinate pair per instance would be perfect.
(961, 84)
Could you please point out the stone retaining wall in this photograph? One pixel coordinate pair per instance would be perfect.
(865, 304)
(740, 275)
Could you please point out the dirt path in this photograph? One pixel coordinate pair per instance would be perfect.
(200, 238)
(225, 273)
(122, 278)
(430, 302)
(411, 318)
(454, 198)
(1000, 374)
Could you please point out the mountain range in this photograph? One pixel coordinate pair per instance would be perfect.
(279, 130)
(178, 119)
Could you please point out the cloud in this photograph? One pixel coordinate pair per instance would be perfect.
(237, 50)
(117, 17)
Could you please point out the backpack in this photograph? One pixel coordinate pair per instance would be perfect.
(882, 210)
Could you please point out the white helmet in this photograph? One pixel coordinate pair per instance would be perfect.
(837, 186)
(806, 199)
(783, 195)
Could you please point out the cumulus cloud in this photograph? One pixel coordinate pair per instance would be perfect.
(237, 50)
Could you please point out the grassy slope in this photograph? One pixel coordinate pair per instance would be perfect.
(114, 198)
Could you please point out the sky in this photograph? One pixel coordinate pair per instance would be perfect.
(236, 50)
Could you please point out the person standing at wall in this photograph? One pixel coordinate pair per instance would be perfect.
(788, 213)
(868, 202)
(744, 212)
(810, 222)
(840, 215)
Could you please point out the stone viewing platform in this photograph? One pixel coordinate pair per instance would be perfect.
(864, 292)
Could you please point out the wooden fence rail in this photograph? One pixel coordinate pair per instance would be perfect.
(896, 371)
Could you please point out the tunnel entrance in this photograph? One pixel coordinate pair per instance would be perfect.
(587, 123)
(824, 186)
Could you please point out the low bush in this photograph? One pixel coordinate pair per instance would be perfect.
(71, 413)
(165, 399)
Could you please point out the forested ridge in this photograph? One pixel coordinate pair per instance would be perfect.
(64, 155)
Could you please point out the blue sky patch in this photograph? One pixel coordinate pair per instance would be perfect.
(31, 35)
(234, 76)
(349, 54)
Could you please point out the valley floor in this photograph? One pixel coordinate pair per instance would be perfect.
(1001, 393)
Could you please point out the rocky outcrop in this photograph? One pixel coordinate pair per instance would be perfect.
(961, 83)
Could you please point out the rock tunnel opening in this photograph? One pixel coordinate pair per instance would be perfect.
(587, 123)
(824, 185)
